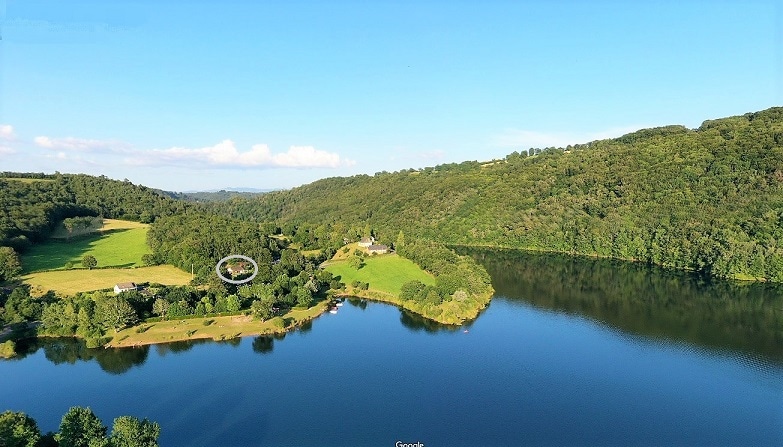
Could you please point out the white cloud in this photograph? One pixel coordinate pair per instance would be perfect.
(81, 144)
(5, 150)
(7, 132)
(225, 154)
(529, 138)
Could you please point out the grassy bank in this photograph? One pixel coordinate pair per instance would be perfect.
(69, 282)
(216, 328)
(387, 273)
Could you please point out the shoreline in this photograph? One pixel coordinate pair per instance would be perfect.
(467, 314)
(220, 328)
(740, 277)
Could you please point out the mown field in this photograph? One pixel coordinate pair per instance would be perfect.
(69, 282)
(385, 273)
(28, 180)
(119, 244)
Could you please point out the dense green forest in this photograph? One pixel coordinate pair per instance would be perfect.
(707, 199)
(79, 427)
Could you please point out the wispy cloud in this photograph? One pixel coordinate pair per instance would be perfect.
(529, 138)
(7, 132)
(226, 154)
(223, 154)
(81, 144)
(5, 150)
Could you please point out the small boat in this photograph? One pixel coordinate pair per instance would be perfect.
(339, 304)
(465, 331)
(333, 310)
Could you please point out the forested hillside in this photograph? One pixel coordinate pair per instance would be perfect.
(32, 204)
(708, 199)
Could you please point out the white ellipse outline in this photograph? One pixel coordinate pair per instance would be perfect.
(240, 281)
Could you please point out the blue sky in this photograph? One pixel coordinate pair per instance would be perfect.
(202, 95)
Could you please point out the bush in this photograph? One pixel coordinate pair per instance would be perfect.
(7, 349)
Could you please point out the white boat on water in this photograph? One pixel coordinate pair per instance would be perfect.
(339, 304)
(333, 310)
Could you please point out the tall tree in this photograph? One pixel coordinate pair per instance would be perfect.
(115, 313)
(80, 427)
(9, 264)
(89, 261)
(18, 430)
(129, 431)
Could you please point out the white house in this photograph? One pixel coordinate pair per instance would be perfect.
(124, 287)
(366, 241)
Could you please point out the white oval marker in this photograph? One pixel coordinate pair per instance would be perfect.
(233, 281)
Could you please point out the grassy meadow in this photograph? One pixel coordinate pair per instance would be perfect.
(118, 244)
(28, 180)
(81, 280)
(385, 273)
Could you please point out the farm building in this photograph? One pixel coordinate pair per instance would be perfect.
(366, 241)
(380, 249)
(240, 268)
(124, 287)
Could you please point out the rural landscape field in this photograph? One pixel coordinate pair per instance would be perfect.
(117, 243)
(385, 223)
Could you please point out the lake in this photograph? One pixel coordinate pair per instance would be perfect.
(570, 352)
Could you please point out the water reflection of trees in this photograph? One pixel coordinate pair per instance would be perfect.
(644, 300)
(72, 350)
(263, 344)
(416, 322)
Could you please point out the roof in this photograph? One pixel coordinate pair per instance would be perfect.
(366, 240)
(377, 247)
(238, 265)
(126, 285)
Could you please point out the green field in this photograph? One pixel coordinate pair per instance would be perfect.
(385, 273)
(27, 180)
(117, 245)
(69, 282)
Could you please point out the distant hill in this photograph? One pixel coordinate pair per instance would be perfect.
(707, 199)
(221, 195)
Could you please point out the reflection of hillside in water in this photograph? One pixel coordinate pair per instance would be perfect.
(72, 350)
(647, 301)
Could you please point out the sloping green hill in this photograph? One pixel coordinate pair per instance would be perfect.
(708, 199)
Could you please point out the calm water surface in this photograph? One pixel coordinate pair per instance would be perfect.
(570, 352)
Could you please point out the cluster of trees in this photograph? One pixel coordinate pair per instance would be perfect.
(80, 427)
(82, 224)
(708, 199)
(19, 306)
(89, 316)
(458, 277)
(197, 240)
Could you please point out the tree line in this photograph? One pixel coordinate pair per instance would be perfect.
(80, 427)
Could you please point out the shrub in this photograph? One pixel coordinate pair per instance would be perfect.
(7, 349)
